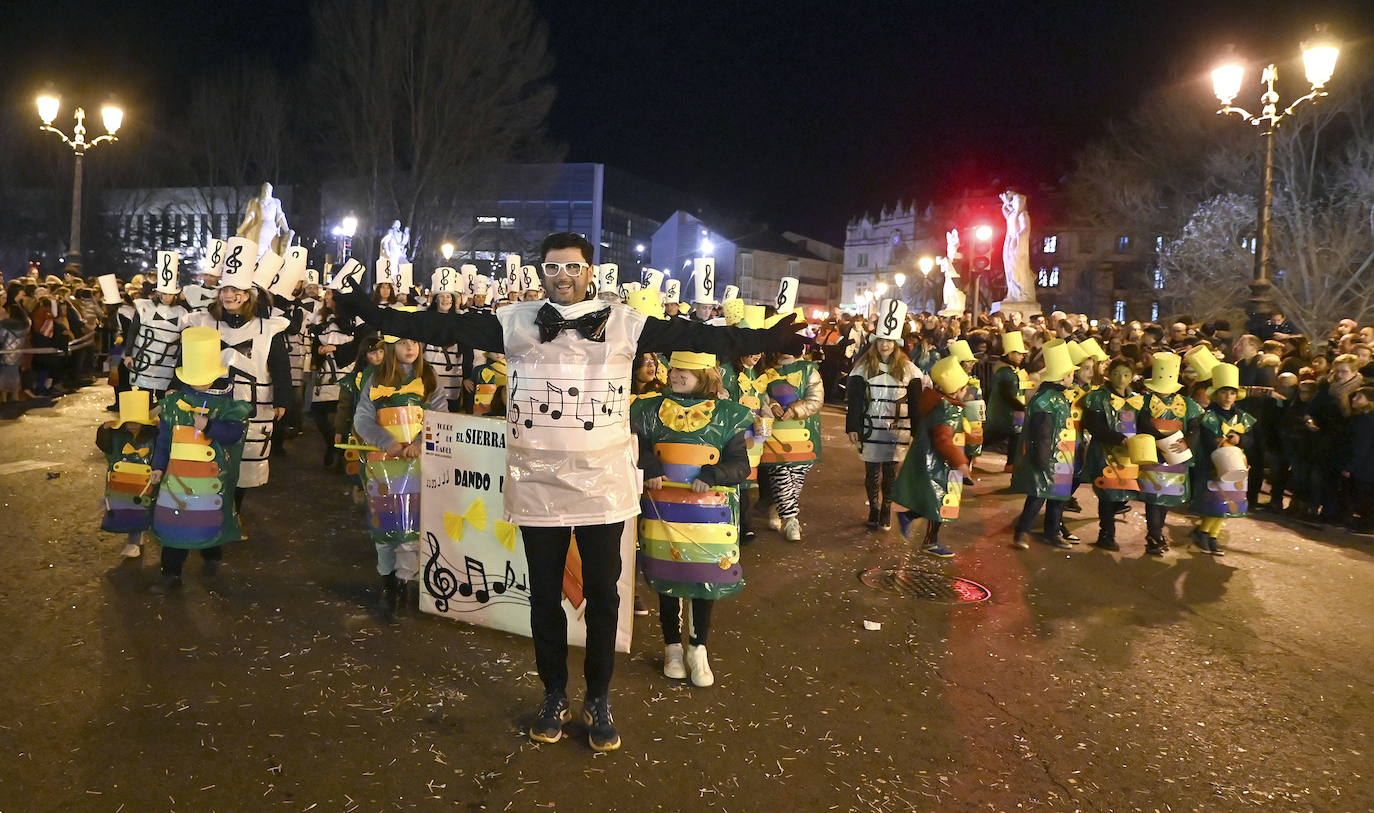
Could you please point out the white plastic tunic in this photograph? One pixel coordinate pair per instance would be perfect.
(157, 346)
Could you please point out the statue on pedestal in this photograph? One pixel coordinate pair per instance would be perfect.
(954, 298)
(264, 223)
(394, 245)
(1016, 251)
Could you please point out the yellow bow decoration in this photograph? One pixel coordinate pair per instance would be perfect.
(181, 402)
(1136, 402)
(681, 418)
(493, 375)
(476, 516)
(415, 387)
(505, 534)
(1228, 427)
(141, 451)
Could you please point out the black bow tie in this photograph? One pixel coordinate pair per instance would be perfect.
(243, 347)
(591, 326)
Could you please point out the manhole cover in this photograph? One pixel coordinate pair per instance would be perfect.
(931, 586)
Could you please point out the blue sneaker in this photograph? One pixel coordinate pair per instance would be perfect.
(936, 549)
(904, 520)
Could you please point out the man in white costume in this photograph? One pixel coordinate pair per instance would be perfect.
(570, 458)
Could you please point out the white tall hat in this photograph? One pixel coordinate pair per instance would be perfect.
(653, 278)
(168, 263)
(349, 276)
(405, 276)
(446, 280)
(512, 269)
(240, 261)
(786, 300)
(109, 288)
(608, 277)
(704, 280)
(891, 320)
(269, 269)
(214, 257)
(384, 271)
(529, 279)
(292, 271)
(672, 291)
(467, 273)
(477, 285)
(731, 292)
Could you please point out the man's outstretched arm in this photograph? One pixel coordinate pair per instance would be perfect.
(667, 335)
(479, 330)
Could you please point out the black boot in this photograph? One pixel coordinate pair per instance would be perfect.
(386, 597)
(407, 597)
(1155, 546)
(1071, 505)
(1106, 540)
(885, 517)
(873, 515)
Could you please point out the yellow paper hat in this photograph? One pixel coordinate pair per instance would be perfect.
(647, 301)
(1164, 378)
(734, 311)
(200, 356)
(1224, 375)
(960, 350)
(753, 316)
(1202, 362)
(1093, 349)
(948, 375)
(1058, 362)
(388, 338)
(683, 360)
(1013, 342)
(1076, 353)
(1142, 449)
(133, 407)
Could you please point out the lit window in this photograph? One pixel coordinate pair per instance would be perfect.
(1119, 311)
(1054, 277)
(1123, 245)
(1159, 243)
(1250, 244)
(1154, 312)
(1159, 279)
(487, 220)
(507, 222)
(1042, 278)
(1051, 244)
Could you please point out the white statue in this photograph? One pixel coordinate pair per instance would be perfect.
(395, 243)
(1016, 249)
(954, 298)
(264, 223)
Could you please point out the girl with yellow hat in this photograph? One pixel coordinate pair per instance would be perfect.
(793, 395)
(128, 446)
(1044, 469)
(1226, 435)
(692, 450)
(745, 385)
(930, 485)
(1110, 415)
(1164, 485)
(1006, 396)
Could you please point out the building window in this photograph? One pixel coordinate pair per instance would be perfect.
(488, 220)
(863, 260)
(1159, 244)
(1249, 244)
(746, 265)
(1154, 311)
(1123, 245)
(1051, 244)
(1047, 277)
(1119, 311)
(1159, 279)
(507, 222)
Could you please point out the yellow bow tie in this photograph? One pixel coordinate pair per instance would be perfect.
(181, 402)
(1136, 401)
(494, 375)
(141, 451)
(476, 516)
(415, 387)
(1238, 427)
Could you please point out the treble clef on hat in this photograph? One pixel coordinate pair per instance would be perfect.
(890, 320)
(782, 295)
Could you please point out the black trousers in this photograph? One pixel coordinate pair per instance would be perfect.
(1054, 515)
(745, 493)
(670, 618)
(174, 558)
(878, 481)
(546, 550)
(1154, 519)
(1106, 518)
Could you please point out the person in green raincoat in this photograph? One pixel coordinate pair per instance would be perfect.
(1109, 418)
(196, 460)
(1164, 485)
(692, 450)
(930, 485)
(1044, 462)
(1222, 426)
(1006, 396)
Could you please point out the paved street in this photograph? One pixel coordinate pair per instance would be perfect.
(1090, 681)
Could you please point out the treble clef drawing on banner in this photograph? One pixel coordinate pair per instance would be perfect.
(890, 320)
(440, 582)
(782, 295)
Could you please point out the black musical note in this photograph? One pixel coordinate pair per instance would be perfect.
(440, 582)
(782, 295)
(482, 594)
(544, 406)
(510, 580)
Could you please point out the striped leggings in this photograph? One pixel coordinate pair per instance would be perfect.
(786, 482)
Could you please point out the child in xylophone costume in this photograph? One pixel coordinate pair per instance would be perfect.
(128, 446)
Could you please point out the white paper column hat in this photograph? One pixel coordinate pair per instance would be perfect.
(731, 292)
(477, 284)
(109, 288)
(608, 277)
(168, 263)
(672, 292)
(312, 276)
(214, 258)
(502, 290)
(445, 280)
(269, 269)
(653, 278)
(629, 288)
(383, 272)
(240, 260)
(292, 272)
(513, 270)
(466, 274)
(349, 276)
(890, 320)
(529, 279)
(786, 300)
(704, 279)
(405, 277)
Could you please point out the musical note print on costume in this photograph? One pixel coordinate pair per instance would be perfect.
(564, 403)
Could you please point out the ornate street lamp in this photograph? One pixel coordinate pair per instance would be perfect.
(111, 115)
(1319, 62)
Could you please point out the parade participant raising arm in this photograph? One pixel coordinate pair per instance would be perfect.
(570, 464)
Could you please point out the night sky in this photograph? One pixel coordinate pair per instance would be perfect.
(800, 114)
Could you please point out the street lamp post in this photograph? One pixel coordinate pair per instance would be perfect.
(112, 116)
(1319, 62)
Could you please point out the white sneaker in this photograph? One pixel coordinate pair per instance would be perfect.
(774, 521)
(701, 670)
(673, 666)
(131, 551)
(791, 529)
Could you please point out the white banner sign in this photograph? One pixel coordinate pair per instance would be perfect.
(474, 567)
